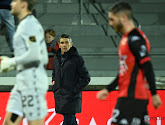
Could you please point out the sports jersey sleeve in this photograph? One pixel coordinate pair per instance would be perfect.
(148, 71)
(112, 86)
(33, 55)
(138, 47)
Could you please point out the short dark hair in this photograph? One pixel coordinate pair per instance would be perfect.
(120, 7)
(30, 4)
(65, 36)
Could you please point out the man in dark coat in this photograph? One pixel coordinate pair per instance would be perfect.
(69, 77)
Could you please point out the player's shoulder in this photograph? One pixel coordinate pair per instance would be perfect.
(30, 24)
(136, 35)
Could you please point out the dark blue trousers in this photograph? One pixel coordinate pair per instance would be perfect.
(69, 119)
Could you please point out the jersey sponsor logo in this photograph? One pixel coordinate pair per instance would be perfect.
(123, 64)
(32, 39)
(143, 50)
(135, 38)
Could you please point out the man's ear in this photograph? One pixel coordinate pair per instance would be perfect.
(123, 17)
(24, 4)
(71, 44)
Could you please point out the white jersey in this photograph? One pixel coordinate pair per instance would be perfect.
(27, 98)
(30, 54)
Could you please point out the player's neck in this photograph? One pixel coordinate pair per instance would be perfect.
(128, 27)
(23, 15)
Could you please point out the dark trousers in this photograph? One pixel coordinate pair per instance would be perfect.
(69, 119)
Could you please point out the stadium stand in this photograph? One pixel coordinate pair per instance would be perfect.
(95, 39)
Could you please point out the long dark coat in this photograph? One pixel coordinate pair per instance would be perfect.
(70, 79)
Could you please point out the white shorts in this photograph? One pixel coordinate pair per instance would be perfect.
(28, 103)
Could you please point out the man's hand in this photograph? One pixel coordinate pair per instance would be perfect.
(7, 64)
(156, 101)
(102, 94)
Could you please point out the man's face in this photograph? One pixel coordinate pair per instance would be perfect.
(16, 6)
(49, 38)
(115, 22)
(65, 45)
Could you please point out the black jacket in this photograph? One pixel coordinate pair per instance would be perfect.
(5, 4)
(70, 79)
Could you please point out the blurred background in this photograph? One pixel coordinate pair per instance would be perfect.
(86, 21)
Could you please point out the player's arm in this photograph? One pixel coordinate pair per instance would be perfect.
(102, 94)
(148, 71)
(139, 49)
(33, 55)
(113, 85)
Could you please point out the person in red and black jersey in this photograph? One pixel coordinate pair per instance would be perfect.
(135, 72)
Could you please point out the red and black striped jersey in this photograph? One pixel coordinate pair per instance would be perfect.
(133, 52)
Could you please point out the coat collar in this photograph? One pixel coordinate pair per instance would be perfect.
(72, 51)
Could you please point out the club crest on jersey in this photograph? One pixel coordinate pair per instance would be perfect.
(32, 39)
(123, 64)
